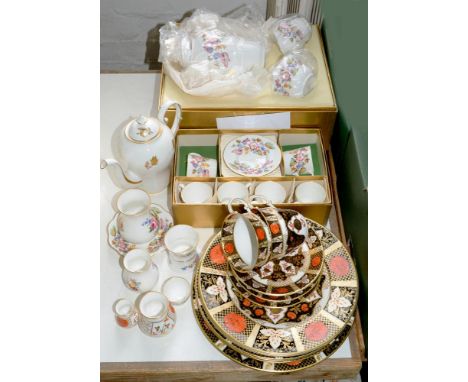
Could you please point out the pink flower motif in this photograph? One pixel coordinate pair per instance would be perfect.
(316, 331)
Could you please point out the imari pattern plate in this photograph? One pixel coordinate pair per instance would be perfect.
(317, 331)
(252, 155)
(162, 222)
(258, 362)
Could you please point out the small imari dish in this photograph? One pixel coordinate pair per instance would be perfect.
(252, 155)
(161, 222)
(298, 162)
(198, 165)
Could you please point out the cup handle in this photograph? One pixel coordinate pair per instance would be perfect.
(242, 201)
(252, 198)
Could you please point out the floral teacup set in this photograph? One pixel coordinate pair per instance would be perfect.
(251, 155)
(139, 230)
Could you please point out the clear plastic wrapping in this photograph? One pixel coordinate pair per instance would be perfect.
(290, 32)
(210, 55)
(295, 74)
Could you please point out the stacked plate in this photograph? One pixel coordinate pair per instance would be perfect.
(291, 313)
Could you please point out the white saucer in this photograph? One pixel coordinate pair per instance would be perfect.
(121, 246)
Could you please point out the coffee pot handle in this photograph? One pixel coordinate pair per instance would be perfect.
(178, 115)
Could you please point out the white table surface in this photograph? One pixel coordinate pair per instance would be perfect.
(124, 96)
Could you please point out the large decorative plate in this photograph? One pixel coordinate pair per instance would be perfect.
(306, 337)
(252, 155)
(253, 361)
(162, 222)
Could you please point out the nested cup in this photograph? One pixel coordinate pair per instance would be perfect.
(245, 238)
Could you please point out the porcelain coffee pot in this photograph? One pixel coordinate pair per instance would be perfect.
(145, 151)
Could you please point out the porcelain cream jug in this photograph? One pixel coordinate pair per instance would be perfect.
(145, 150)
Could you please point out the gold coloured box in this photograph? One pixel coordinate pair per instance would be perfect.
(317, 109)
(212, 213)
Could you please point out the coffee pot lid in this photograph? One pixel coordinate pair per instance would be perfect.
(143, 129)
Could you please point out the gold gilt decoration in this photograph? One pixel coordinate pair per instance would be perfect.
(144, 131)
(152, 162)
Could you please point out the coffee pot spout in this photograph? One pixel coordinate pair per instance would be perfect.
(121, 178)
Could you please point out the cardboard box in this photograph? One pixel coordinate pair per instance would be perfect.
(317, 109)
(212, 214)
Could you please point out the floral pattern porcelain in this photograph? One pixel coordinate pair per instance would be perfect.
(198, 165)
(139, 273)
(161, 221)
(291, 32)
(252, 155)
(163, 320)
(320, 329)
(282, 82)
(216, 50)
(298, 162)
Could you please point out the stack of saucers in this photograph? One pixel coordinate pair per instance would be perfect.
(280, 310)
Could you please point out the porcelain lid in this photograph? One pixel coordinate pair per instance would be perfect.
(143, 129)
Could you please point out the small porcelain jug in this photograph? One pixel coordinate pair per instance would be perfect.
(139, 272)
(145, 151)
(156, 315)
(135, 222)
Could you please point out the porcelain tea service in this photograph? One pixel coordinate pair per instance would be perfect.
(145, 150)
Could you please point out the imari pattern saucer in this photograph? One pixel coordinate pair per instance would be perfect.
(163, 221)
(328, 320)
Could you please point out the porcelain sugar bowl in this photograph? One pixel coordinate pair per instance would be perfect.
(145, 150)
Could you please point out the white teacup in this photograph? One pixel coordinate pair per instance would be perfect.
(231, 190)
(310, 192)
(272, 191)
(181, 242)
(135, 223)
(196, 192)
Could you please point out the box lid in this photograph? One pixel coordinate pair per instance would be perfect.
(321, 99)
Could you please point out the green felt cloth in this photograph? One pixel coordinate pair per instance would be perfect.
(315, 155)
(206, 151)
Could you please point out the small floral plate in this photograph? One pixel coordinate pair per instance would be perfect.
(162, 222)
(252, 155)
